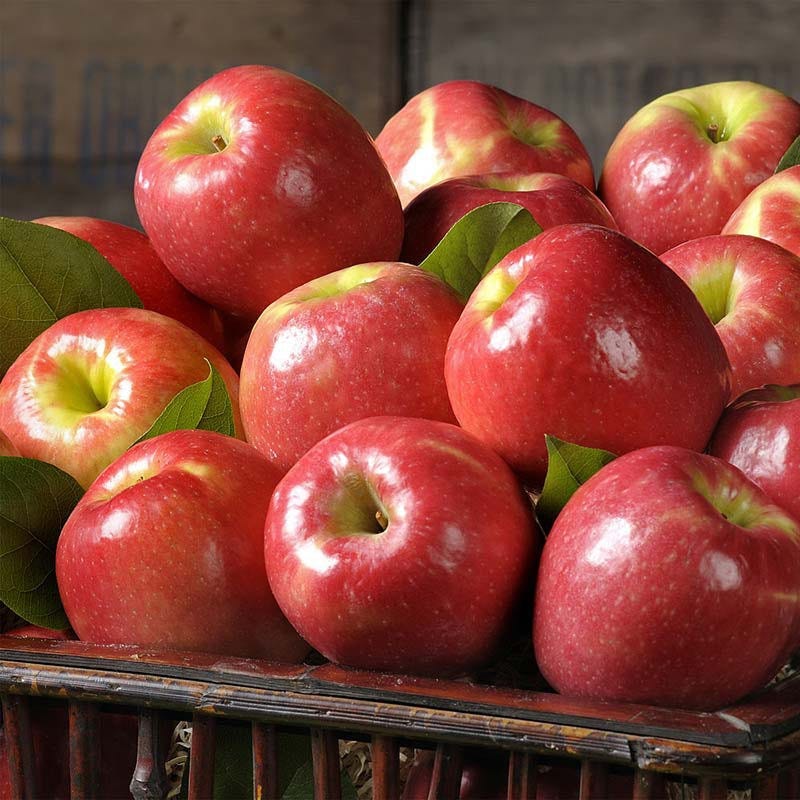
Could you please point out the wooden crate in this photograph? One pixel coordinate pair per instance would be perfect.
(754, 746)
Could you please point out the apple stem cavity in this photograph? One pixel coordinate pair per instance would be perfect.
(219, 142)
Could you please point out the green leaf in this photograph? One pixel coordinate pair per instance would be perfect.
(568, 467)
(477, 242)
(205, 406)
(47, 274)
(791, 158)
(35, 500)
(301, 787)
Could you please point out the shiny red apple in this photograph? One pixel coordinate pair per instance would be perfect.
(132, 255)
(771, 211)
(166, 549)
(585, 335)
(760, 434)
(750, 288)
(400, 544)
(366, 341)
(669, 579)
(552, 200)
(463, 128)
(684, 162)
(92, 383)
(258, 182)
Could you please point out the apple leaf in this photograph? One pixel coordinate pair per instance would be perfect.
(47, 274)
(568, 466)
(791, 158)
(205, 405)
(477, 242)
(35, 500)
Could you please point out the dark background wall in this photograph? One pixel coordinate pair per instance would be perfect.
(84, 82)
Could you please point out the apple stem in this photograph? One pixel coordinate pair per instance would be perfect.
(713, 132)
(382, 520)
(219, 142)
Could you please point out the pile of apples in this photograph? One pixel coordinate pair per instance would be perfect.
(413, 375)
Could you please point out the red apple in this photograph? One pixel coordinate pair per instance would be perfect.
(463, 128)
(132, 255)
(750, 288)
(166, 549)
(91, 384)
(771, 211)
(258, 182)
(585, 335)
(6, 448)
(551, 199)
(402, 545)
(681, 165)
(669, 579)
(760, 434)
(483, 775)
(365, 341)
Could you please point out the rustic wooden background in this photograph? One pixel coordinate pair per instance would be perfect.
(84, 82)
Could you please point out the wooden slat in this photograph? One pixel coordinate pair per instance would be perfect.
(19, 746)
(385, 768)
(325, 757)
(789, 782)
(594, 780)
(521, 776)
(265, 761)
(446, 777)
(712, 789)
(201, 758)
(771, 713)
(83, 751)
(648, 785)
(148, 781)
(767, 789)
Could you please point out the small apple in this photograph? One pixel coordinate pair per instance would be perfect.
(668, 579)
(166, 549)
(750, 288)
(771, 211)
(132, 255)
(682, 164)
(402, 545)
(366, 341)
(583, 334)
(463, 128)
(258, 182)
(760, 434)
(552, 200)
(92, 383)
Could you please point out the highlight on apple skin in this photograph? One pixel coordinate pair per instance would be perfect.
(166, 549)
(760, 435)
(461, 128)
(402, 545)
(750, 289)
(771, 211)
(258, 182)
(668, 579)
(682, 164)
(552, 200)
(583, 334)
(92, 383)
(365, 341)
